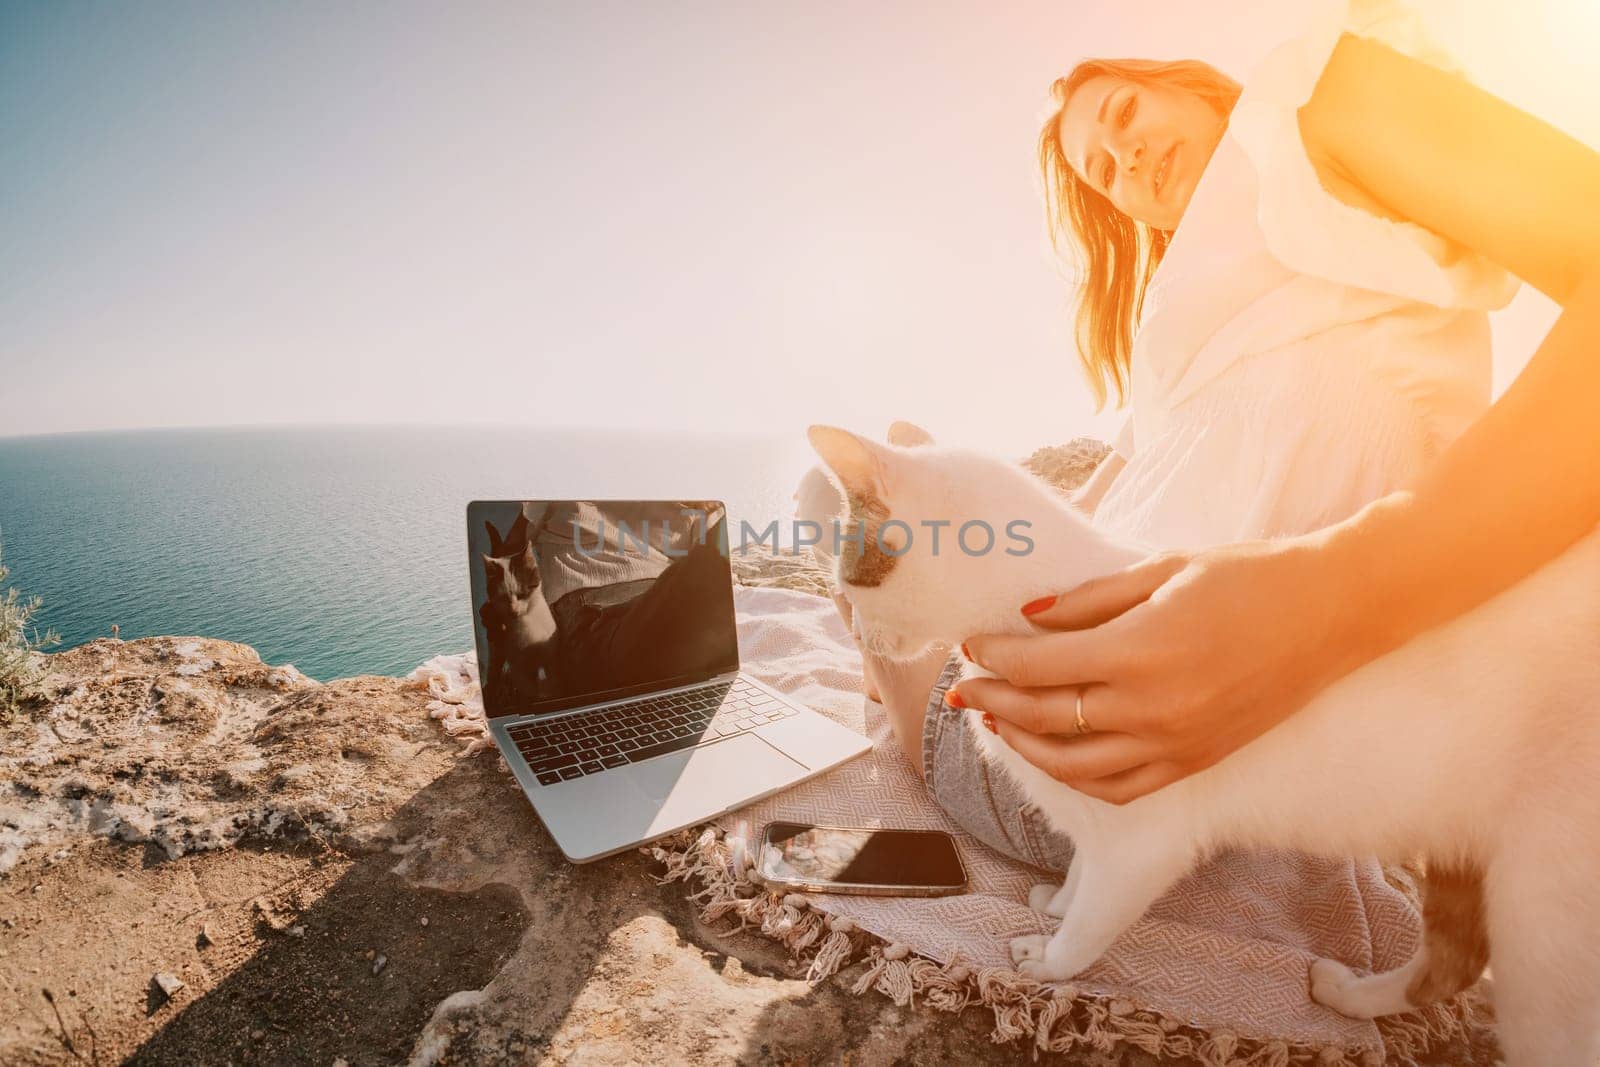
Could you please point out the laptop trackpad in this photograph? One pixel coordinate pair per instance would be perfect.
(723, 773)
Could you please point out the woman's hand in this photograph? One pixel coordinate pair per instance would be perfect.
(1182, 658)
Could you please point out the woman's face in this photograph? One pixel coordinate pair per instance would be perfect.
(1143, 147)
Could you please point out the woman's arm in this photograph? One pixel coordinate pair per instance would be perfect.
(1440, 152)
(1186, 657)
(1518, 488)
(1524, 482)
(1088, 495)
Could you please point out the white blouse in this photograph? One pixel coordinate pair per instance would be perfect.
(1298, 355)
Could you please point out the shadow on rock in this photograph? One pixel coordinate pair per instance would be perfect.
(357, 973)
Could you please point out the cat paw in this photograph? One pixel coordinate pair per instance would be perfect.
(1029, 949)
(1041, 971)
(1329, 981)
(1040, 896)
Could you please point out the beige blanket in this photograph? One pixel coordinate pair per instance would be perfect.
(1217, 970)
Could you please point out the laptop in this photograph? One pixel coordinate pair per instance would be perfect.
(609, 662)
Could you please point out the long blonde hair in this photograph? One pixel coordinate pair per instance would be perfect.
(1117, 254)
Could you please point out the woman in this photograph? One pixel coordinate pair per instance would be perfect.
(1328, 242)
(1240, 636)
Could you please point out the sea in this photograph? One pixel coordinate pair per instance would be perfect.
(341, 550)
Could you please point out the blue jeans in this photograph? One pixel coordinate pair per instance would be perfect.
(982, 799)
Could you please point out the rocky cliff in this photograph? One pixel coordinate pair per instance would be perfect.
(213, 860)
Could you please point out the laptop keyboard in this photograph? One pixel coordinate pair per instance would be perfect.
(592, 742)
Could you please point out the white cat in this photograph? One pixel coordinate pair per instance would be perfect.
(1476, 745)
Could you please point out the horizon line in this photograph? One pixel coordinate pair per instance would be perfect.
(373, 425)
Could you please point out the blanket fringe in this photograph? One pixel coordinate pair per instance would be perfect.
(1058, 1018)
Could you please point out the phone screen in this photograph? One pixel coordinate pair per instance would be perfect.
(843, 856)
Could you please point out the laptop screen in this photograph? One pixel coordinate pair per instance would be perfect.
(579, 601)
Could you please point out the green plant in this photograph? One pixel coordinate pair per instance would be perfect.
(21, 667)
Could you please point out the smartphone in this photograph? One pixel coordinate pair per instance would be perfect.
(843, 859)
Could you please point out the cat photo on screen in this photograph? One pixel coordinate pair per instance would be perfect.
(523, 641)
(585, 596)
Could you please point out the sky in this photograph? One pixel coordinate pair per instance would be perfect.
(727, 216)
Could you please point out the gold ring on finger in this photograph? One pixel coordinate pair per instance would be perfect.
(1081, 723)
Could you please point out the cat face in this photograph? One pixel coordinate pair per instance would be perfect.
(926, 549)
(513, 579)
(818, 500)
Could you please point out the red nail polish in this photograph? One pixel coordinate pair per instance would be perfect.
(988, 723)
(1033, 607)
(964, 651)
(954, 699)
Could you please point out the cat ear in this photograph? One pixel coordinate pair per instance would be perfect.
(518, 533)
(817, 499)
(529, 560)
(855, 462)
(908, 434)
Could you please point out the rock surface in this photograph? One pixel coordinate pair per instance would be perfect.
(364, 893)
(323, 877)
